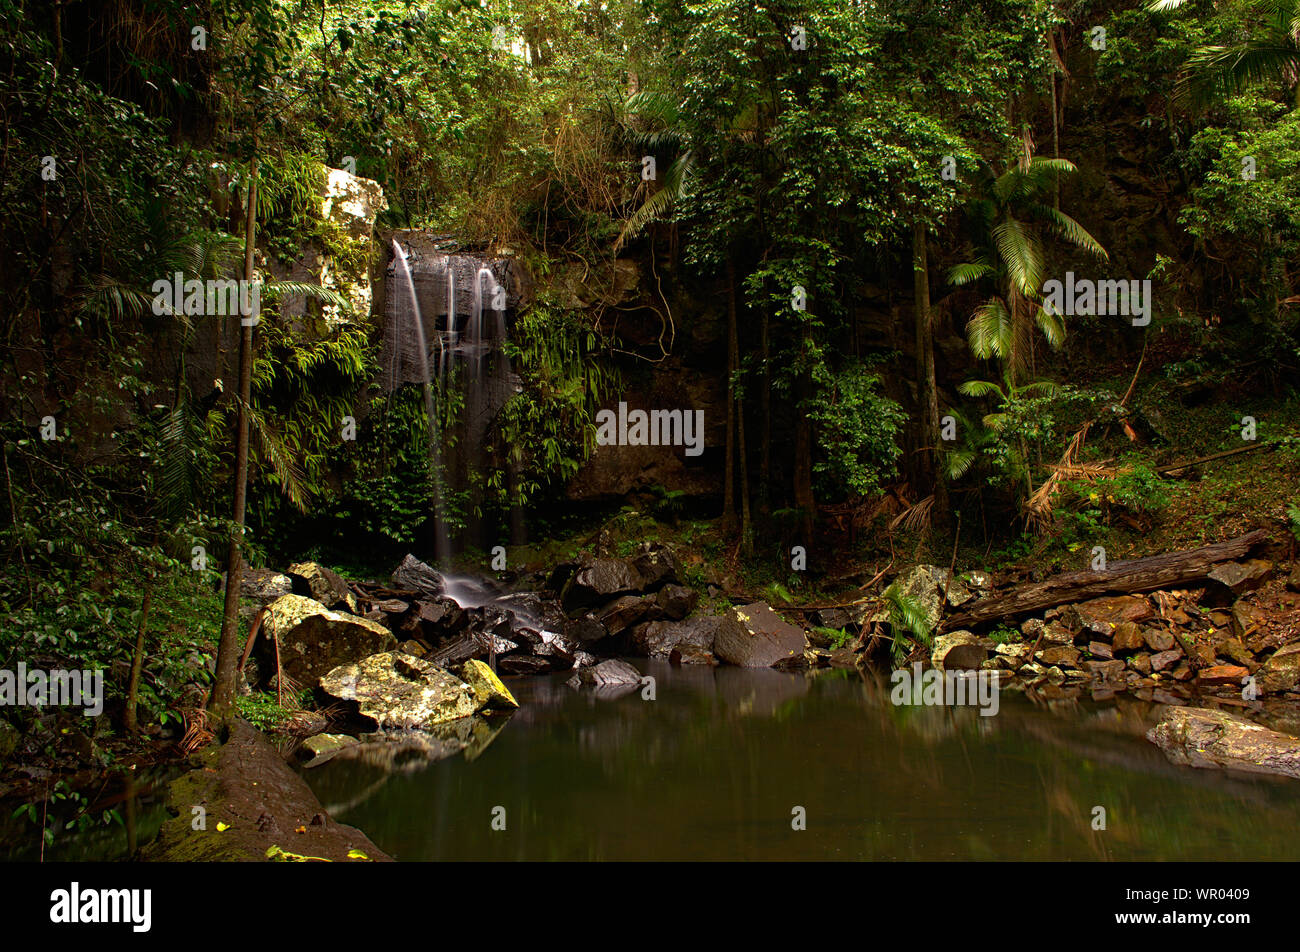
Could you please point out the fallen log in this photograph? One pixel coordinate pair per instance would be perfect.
(1138, 575)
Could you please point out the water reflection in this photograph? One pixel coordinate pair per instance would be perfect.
(713, 767)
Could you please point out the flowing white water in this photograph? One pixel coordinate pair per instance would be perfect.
(442, 545)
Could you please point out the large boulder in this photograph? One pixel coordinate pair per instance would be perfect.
(754, 636)
(314, 640)
(399, 692)
(323, 584)
(658, 639)
(1198, 737)
(597, 581)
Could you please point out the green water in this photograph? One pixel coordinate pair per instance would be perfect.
(715, 765)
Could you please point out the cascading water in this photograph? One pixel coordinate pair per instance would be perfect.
(442, 543)
(466, 287)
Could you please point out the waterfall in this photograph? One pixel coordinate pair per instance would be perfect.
(467, 286)
(441, 541)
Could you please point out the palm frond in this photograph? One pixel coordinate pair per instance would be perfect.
(116, 300)
(1052, 326)
(981, 388)
(971, 271)
(1070, 230)
(1020, 254)
(989, 330)
(293, 482)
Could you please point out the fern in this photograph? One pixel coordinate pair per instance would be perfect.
(906, 615)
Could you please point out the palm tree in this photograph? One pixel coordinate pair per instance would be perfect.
(665, 137)
(1008, 218)
(998, 427)
(1272, 56)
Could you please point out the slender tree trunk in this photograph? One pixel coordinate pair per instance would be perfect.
(765, 437)
(926, 388)
(729, 480)
(129, 720)
(223, 687)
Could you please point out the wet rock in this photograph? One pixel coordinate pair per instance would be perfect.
(319, 748)
(628, 610)
(1141, 663)
(676, 601)
(487, 687)
(969, 657)
(254, 816)
(657, 639)
(390, 606)
(1293, 580)
(1099, 649)
(476, 644)
(1222, 674)
(323, 584)
(434, 619)
(943, 644)
(686, 653)
(260, 587)
(1246, 619)
(606, 674)
(314, 640)
(598, 581)
(957, 591)
(1127, 637)
(1058, 655)
(413, 648)
(400, 692)
(414, 576)
(1281, 672)
(1104, 670)
(1198, 737)
(1100, 616)
(924, 584)
(1157, 639)
(1015, 653)
(1230, 579)
(837, 618)
(1235, 651)
(586, 630)
(754, 636)
(524, 664)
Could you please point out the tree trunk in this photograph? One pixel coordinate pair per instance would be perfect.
(1139, 575)
(927, 390)
(765, 437)
(729, 479)
(129, 720)
(222, 701)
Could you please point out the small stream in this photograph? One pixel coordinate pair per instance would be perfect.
(712, 768)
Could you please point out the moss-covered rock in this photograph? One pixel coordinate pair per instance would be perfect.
(399, 692)
(240, 802)
(314, 640)
(485, 684)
